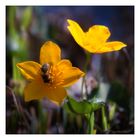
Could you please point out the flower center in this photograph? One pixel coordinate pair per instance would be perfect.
(51, 75)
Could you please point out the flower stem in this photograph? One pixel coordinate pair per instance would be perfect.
(16, 74)
(104, 119)
(91, 123)
(88, 56)
(82, 87)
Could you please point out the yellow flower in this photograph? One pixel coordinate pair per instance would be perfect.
(95, 39)
(50, 77)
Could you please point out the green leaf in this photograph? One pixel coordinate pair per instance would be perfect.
(104, 119)
(82, 107)
(85, 106)
(16, 73)
(112, 109)
(12, 22)
(96, 104)
(26, 18)
(67, 109)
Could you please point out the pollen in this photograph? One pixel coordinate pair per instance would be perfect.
(56, 76)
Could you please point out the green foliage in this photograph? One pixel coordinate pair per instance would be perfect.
(96, 104)
(104, 119)
(90, 123)
(112, 111)
(16, 74)
(11, 16)
(84, 107)
(26, 17)
(43, 119)
(17, 42)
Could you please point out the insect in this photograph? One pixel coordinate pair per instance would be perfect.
(45, 73)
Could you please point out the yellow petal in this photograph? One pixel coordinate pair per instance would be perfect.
(50, 53)
(38, 90)
(64, 64)
(97, 34)
(69, 74)
(111, 46)
(76, 31)
(29, 69)
(57, 95)
(95, 39)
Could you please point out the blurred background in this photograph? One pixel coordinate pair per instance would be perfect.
(110, 76)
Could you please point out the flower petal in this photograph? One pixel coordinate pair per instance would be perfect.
(111, 46)
(69, 74)
(95, 39)
(29, 69)
(76, 31)
(64, 64)
(97, 34)
(57, 95)
(39, 90)
(50, 53)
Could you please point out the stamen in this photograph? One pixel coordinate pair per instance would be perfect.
(60, 83)
(59, 73)
(53, 77)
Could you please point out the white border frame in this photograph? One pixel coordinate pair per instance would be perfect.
(4, 3)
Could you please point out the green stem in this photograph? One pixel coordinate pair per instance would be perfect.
(16, 74)
(91, 123)
(104, 119)
(14, 68)
(88, 56)
(82, 87)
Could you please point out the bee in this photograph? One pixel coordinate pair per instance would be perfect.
(45, 73)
